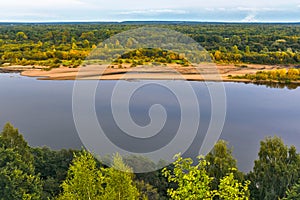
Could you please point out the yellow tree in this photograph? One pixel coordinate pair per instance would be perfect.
(218, 55)
(293, 74)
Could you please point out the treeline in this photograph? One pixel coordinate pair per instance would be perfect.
(280, 75)
(69, 44)
(151, 56)
(40, 173)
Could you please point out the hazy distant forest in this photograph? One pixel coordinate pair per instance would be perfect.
(57, 45)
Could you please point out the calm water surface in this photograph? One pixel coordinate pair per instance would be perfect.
(42, 110)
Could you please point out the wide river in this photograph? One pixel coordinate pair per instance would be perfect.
(42, 111)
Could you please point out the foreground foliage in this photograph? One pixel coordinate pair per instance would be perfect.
(40, 173)
(193, 182)
(84, 180)
(275, 171)
(294, 193)
(17, 177)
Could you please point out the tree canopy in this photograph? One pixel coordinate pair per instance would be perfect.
(193, 182)
(57, 45)
(41, 173)
(275, 171)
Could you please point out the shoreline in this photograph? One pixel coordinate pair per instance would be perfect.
(209, 72)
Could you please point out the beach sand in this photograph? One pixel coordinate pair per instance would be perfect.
(207, 72)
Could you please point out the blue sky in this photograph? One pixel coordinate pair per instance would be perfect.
(117, 10)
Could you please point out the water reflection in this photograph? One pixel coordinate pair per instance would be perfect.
(43, 113)
(290, 86)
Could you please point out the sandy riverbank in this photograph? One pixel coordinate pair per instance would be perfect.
(208, 72)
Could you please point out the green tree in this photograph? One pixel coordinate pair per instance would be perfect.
(84, 180)
(192, 182)
(247, 49)
(276, 169)
(11, 138)
(88, 35)
(147, 191)
(17, 174)
(139, 163)
(221, 162)
(293, 193)
(74, 45)
(52, 167)
(236, 40)
(119, 181)
(129, 43)
(235, 49)
(117, 44)
(230, 188)
(21, 36)
(86, 44)
(17, 178)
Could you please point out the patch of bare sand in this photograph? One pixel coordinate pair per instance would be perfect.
(208, 72)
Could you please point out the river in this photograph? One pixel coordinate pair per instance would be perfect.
(42, 111)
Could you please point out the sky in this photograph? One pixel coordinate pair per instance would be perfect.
(163, 10)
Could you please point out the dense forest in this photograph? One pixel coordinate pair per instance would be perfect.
(40, 173)
(67, 44)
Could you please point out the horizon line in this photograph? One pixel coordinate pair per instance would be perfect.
(155, 20)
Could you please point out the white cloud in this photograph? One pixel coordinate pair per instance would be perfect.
(35, 4)
(155, 9)
(250, 18)
(246, 9)
(29, 14)
(221, 9)
(258, 9)
(142, 5)
(152, 11)
(210, 9)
